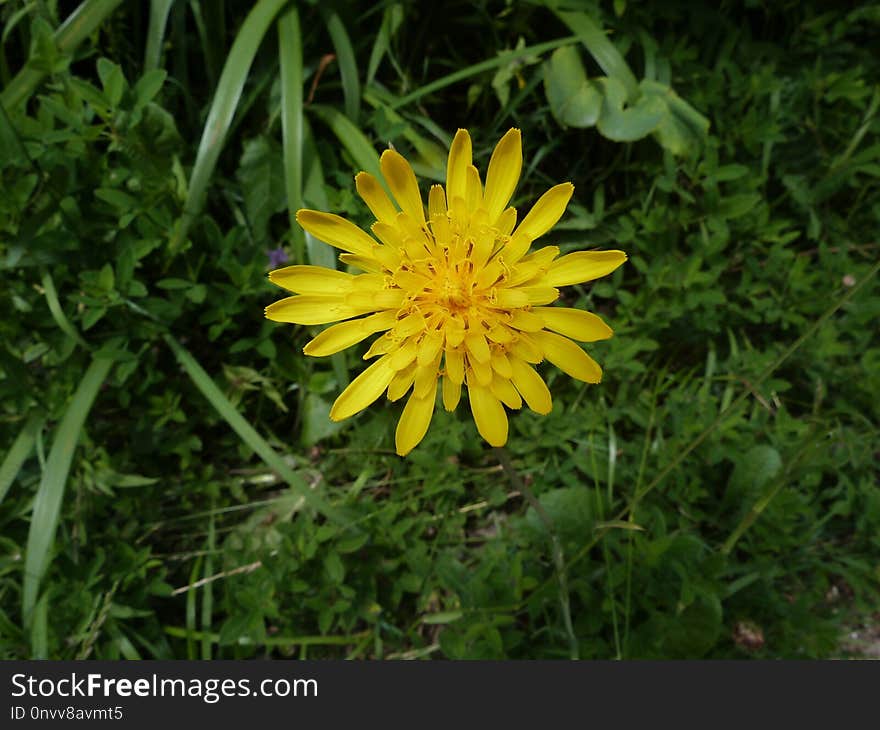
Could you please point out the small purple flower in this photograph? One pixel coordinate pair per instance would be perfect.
(277, 256)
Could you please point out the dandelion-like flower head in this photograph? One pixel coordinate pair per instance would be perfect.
(461, 301)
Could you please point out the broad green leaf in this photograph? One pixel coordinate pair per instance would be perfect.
(261, 174)
(602, 50)
(631, 123)
(574, 100)
(112, 80)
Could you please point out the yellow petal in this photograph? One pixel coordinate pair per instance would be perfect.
(481, 372)
(546, 212)
(370, 301)
(478, 347)
(526, 321)
(504, 391)
(409, 325)
(526, 348)
(506, 222)
(451, 394)
(312, 280)
(336, 231)
(381, 346)
(436, 201)
(426, 378)
(531, 386)
(457, 166)
(455, 365)
(489, 415)
(414, 422)
(361, 262)
(581, 266)
(503, 174)
(473, 189)
(574, 323)
(404, 355)
(528, 295)
(568, 357)
(363, 390)
(500, 334)
(401, 383)
(375, 197)
(501, 364)
(340, 336)
(402, 181)
(429, 347)
(312, 309)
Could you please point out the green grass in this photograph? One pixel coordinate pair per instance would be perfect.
(170, 483)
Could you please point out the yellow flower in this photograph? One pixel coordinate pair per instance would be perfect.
(460, 299)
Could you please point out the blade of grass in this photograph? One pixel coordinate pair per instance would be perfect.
(222, 111)
(58, 313)
(601, 49)
(392, 17)
(351, 85)
(19, 452)
(159, 10)
(501, 60)
(352, 138)
(47, 504)
(290, 53)
(78, 26)
(248, 434)
(40, 629)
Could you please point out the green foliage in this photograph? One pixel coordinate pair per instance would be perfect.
(171, 485)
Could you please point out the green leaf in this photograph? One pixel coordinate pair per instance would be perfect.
(47, 503)
(334, 567)
(261, 175)
(627, 124)
(57, 313)
(602, 50)
(148, 86)
(106, 278)
(682, 129)
(112, 80)
(755, 469)
(734, 206)
(575, 101)
(19, 452)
